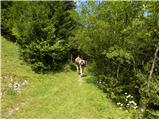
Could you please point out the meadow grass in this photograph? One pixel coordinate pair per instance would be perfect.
(52, 95)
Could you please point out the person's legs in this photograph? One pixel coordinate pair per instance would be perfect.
(81, 70)
(78, 68)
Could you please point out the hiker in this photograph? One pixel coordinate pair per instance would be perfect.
(80, 64)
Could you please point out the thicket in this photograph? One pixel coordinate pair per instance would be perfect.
(121, 40)
(42, 29)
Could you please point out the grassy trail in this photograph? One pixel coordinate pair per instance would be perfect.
(59, 95)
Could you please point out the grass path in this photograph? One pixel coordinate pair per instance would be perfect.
(59, 95)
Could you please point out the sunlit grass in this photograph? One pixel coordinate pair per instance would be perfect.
(53, 95)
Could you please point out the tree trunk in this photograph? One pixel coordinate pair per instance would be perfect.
(153, 64)
(143, 108)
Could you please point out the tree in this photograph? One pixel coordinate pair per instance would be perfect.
(42, 29)
(121, 42)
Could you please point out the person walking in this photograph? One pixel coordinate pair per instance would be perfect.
(80, 64)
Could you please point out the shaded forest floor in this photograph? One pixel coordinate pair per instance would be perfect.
(26, 94)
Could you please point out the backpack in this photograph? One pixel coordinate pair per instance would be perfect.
(82, 62)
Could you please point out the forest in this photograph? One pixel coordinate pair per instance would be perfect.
(119, 40)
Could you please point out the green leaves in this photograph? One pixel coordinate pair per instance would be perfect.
(120, 38)
(117, 37)
(42, 29)
(118, 54)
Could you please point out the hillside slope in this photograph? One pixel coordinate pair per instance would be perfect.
(58, 95)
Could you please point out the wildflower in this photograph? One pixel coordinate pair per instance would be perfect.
(120, 108)
(128, 96)
(118, 103)
(131, 102)
(125, 93)
(100, 82)
(135, 107)
(121, 104)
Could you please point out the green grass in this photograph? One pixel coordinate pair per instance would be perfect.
(52, 95)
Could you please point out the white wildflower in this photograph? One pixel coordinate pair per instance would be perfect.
(125, 93)
(135, 107)
(130, 102)
(128, 96)
(133, 102)
(118, 103)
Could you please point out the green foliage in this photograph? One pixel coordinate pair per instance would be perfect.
(42, 29)
(118, 38)
(53, 95)
(119, 54)
(70, 66)
(121, 41)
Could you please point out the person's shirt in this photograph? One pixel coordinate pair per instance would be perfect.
(77, 59)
